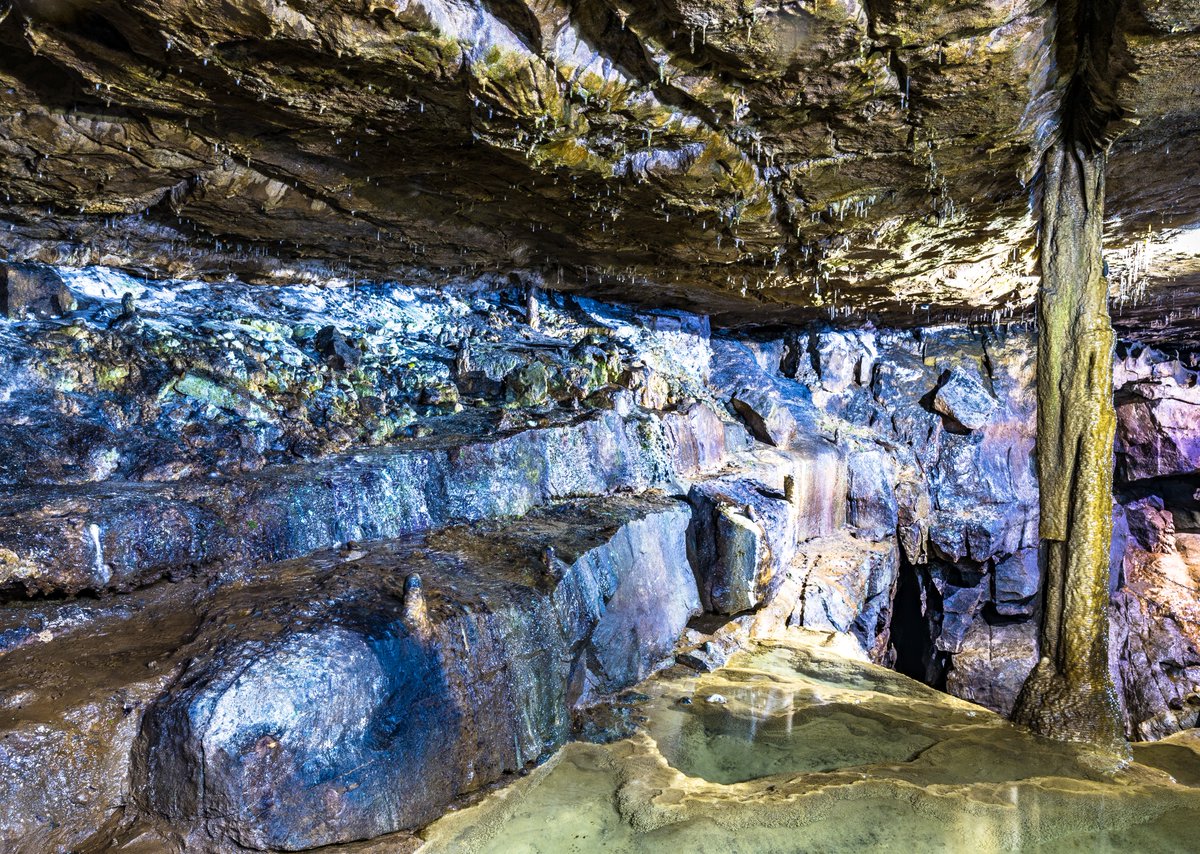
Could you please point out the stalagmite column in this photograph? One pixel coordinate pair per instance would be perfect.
(1070, 694)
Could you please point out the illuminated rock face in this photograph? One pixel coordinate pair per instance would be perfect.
(376, 502)
(861, 159)
(325, 598)
(343, 718)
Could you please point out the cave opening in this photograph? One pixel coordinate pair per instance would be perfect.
(916, 624)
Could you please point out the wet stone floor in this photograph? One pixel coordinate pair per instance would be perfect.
(797, 747)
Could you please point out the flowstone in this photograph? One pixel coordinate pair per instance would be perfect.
(790, 745)
(1070, 693)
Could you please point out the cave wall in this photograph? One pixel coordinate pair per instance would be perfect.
(938, 429)
(266, 553)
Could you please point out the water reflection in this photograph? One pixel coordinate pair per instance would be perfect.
(794, 748)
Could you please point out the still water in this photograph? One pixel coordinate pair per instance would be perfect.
(795, 747)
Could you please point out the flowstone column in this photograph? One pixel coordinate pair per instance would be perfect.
(1070, 694)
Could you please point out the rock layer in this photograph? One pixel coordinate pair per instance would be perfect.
(521, 624)
(528, 540)
(766, 164)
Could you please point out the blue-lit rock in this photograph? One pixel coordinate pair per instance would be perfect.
(315, 709)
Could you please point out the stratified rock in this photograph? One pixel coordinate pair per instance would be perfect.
(336, 697)
(963, 398)
(121, 536)
(33, 289)
(311, 713)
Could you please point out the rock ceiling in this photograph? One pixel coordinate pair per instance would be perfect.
(763, 161)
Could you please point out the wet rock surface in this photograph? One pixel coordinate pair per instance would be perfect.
(795, 740)
(516, 627)
(766, 164)
(206, 442)
(346, 558)
(271, 711)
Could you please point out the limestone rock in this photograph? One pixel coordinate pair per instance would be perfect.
(776, 410)
(873, 509)
(847, 585)
(1154, 645)
(963, 398)
(1158, 430)
(33, 289)
(766, 419)
(311, 712)
(992, 663)
(527, 386)
(123, 536)
(1017, 579)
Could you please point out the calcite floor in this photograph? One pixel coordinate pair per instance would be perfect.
(798, 746)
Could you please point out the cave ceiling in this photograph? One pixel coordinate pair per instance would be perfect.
(761, 161)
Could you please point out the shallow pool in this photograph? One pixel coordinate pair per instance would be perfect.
(794, 747)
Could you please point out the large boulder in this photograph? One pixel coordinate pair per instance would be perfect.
(748, 522)
(742, 532)
(76, 678)
(992, 663)
(344, 697)
(962, 398)
(846, 585)
(1158, 429)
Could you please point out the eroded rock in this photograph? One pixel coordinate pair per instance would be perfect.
(33, 289)
(963, 398)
